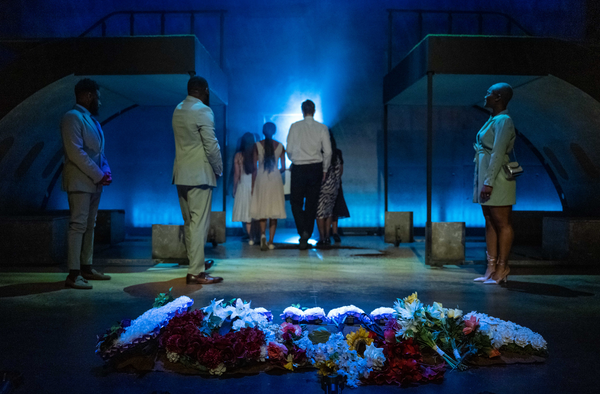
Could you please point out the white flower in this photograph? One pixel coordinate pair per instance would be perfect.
(172, 357)
(210, 309)
(521, 336)
(437, 311)
(219, 370)
(238, 324)
(153, 319)
(454, 313)
(374, 357)
(537, 341)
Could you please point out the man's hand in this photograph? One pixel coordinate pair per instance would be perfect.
(324, 176)
(106, 179)
(486, 192)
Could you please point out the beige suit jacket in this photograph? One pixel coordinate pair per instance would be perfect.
(197, 153)
(83, 144)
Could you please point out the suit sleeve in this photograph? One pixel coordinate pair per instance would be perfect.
(71, 129)
(206, 127)
(504, 133)
(326, 147)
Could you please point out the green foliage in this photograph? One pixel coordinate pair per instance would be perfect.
(163, 299)
(320, 335)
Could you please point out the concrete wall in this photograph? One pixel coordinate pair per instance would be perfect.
(276, 55)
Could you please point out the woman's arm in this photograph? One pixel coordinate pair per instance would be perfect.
(504, 134)
(254, 166)
(236, 173)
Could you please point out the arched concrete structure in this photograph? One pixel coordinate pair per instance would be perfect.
(556, 105)
(38, 89)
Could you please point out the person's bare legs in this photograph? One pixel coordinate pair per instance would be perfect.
(328, 227)
(248, 226)
(321, 227)
(272, 228)
(334, 225)
(491, 241)
(263, 231)
(502, 219)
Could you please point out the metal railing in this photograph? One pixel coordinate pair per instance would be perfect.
(511, 24)
(102, 23)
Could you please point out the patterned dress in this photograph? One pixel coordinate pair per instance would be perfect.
(330, 188)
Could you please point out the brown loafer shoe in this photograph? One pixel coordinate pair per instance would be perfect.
(202, 279)
(208, 264)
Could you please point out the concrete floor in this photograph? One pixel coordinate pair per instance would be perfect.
(49, 333)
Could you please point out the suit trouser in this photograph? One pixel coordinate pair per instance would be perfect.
(195, 203)
(83, 209)
(306, 185)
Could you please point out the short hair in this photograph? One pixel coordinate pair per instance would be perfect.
(308, 107)
(197, 83)
(86, 85)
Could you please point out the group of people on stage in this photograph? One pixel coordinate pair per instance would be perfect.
(317, 167)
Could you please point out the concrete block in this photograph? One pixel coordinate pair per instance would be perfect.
(572, 239)
(448, 242)
(33, 240)
(168, 241)
(528, 226)
(110, 227)
(398, 227)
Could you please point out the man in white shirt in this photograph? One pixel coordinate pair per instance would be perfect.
(309, 149)
(85, 172)
(197, 165)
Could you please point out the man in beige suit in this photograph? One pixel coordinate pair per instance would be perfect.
(197, 165)
(85, 172)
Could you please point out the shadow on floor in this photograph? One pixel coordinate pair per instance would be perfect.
(23, 289)
(545, 289)
(150, 290)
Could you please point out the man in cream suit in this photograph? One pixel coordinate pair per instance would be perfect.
(197, 165)
(85, 172)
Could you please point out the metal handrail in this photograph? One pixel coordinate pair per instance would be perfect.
(480, 14)
(163, 14)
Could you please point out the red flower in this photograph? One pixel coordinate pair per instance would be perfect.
(211, 358)
(470, 325)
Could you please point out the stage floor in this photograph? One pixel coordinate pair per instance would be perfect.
(48, 333)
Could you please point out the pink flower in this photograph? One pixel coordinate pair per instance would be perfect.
(470, 325)
(291, 328)
(277, 351)
(390, 336)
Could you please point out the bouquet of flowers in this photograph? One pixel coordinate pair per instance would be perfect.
(217, 337)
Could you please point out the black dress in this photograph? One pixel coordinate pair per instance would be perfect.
(340, 209)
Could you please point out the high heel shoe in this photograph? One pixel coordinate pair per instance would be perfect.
(503, 277)
(491, 264)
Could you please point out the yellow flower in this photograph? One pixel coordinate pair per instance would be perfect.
(412, 298)
(359, 340)
(290, 362)
(326, 367)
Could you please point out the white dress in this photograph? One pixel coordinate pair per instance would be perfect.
(268, 200)
(242, 198)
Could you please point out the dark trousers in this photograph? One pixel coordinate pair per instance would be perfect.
(304, 196)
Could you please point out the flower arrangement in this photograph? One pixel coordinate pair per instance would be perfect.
(416, 344)
(147, 326)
